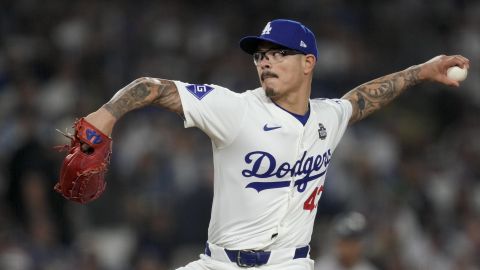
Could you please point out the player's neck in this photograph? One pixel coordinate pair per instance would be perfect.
(294, 101)
(299, 107)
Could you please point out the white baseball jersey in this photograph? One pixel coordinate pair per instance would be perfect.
(269, 169)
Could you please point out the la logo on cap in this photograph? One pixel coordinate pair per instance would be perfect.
(267, 29)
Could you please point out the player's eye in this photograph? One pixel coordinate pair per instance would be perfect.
(273, 55)
(257, 57)
(278, 53)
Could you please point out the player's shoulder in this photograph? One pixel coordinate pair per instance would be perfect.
(234, 92)
(209, 87)
(328, 102)
(200, 90)
(330, 105)
(256, 95)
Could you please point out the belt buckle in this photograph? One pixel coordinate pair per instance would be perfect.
(244, 265)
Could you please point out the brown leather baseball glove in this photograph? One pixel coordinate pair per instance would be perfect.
(82, 176)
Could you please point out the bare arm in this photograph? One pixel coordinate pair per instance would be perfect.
(143, 92)
(371, 96)
(139, 93)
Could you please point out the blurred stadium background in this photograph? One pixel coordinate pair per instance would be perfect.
(413, 169)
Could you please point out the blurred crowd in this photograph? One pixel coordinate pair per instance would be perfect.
(412, 170)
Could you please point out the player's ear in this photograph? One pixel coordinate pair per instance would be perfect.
(309, 63)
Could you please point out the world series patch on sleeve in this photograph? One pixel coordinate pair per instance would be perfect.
(82, 175)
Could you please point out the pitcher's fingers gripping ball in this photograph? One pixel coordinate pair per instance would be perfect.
(82, 176)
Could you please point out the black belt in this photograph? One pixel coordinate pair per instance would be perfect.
(252, 258)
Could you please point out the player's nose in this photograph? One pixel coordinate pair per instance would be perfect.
(264, 63)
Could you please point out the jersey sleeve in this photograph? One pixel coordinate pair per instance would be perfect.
(217, 111)
(343, 111)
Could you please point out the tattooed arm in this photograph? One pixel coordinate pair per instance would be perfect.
(371, 96)
(139, 93)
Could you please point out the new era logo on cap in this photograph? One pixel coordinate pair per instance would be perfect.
(287, 33)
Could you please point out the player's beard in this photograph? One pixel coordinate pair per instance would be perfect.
(270, 92)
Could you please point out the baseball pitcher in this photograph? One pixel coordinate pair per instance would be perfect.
(271, 146)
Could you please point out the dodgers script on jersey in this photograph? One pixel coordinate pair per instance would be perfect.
(269, 169)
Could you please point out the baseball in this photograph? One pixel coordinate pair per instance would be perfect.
(456, 73)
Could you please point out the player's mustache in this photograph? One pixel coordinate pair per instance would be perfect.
(268, 74)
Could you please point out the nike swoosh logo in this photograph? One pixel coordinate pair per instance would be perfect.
(266, 128)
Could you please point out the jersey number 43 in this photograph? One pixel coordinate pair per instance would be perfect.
(309, 204)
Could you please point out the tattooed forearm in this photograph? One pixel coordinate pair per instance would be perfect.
(128, 98)
(369, 97)
(143, 92)
(168, 97)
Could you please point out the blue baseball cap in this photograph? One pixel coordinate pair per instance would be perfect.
(287, 33)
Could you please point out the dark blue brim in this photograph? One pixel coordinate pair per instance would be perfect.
(250, 44)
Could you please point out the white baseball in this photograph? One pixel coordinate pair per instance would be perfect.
(457, 74)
